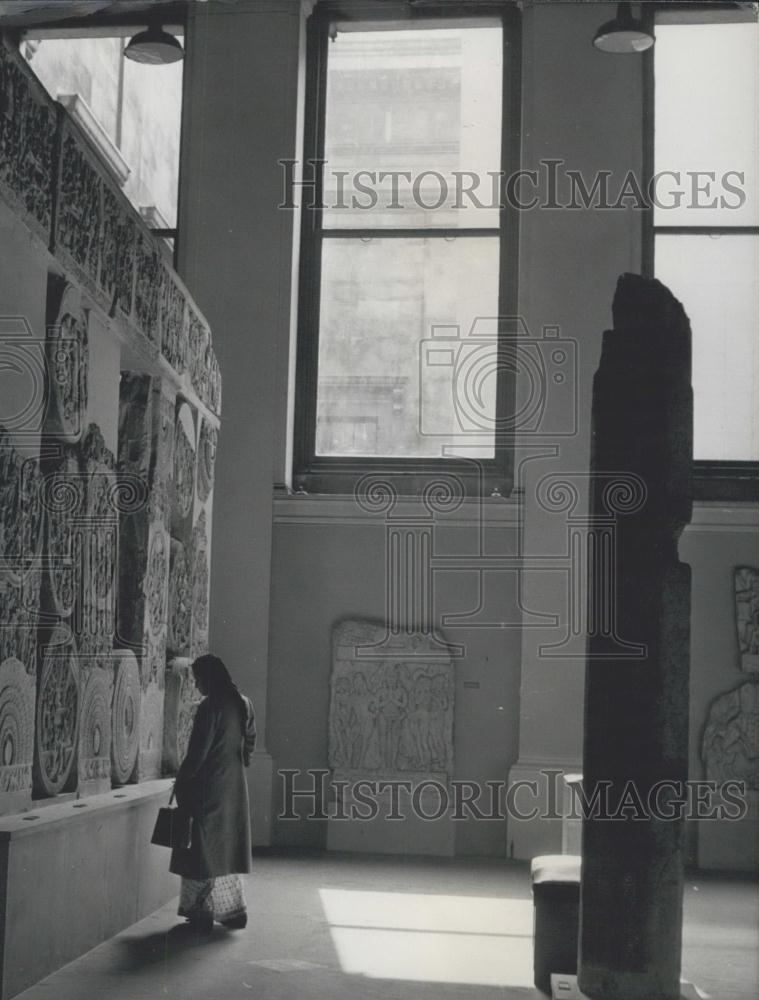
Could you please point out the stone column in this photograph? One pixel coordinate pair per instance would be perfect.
(636, 706)
(236, 247)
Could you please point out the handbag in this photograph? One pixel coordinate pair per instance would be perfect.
(173, 827)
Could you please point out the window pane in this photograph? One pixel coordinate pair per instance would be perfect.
(707, 119)
(717, 280)
(138, 108)
(384, 388)
(426, 104)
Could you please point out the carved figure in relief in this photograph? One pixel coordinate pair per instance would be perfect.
(364, 750)
(392, 702)
(747, 616)
(342, 719)
(180, 600)
(184, 472)
(419, 721)
(730, 745)
(207, 444)
(441, 700)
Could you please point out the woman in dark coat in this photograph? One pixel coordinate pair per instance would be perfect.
(211, 786)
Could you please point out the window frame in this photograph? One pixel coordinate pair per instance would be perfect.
(314, 473)
(713, 480)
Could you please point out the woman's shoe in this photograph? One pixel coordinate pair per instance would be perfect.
(201, 922)
(236, 923)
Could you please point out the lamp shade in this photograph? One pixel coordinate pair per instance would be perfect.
(155, 47)
(625, 34)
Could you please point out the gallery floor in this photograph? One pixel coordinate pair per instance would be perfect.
(368, 928)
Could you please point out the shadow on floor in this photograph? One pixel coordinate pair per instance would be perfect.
(135, 953)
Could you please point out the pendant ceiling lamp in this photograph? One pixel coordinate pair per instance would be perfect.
(155, 47)
(625, 34)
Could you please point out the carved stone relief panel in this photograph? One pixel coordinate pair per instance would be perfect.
(199, 340)
(94, 755)
(17, 698)
(80, 207)
(20, 512)
(207, 444)
(21, 537)
(117, 253)
(390, 714)
(747, 616)
(730, 744)
(144, 552)
(149, 758)
(214, 381)
(146, 435)
(156, 601)
(182, 699)
(27, 141)
(63, 497)
(200, 589)
(97, 618)
(67, 354)
(180, 601)
(125, 716)
(57, 716)
(147, 288)
(174, 327)
(184, 474)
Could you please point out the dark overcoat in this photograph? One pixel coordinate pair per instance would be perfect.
(211, 786)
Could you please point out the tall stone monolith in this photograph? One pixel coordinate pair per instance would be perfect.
(636, 703)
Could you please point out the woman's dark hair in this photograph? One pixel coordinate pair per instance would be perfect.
(213, 675)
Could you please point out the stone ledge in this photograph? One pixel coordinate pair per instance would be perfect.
(75, 877)
(43, 817)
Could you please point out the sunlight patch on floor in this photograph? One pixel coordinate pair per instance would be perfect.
(477, 940)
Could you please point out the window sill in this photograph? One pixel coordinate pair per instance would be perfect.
(336, 508)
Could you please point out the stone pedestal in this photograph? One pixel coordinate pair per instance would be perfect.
(636, 707)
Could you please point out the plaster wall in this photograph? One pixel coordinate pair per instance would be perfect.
(329, 568)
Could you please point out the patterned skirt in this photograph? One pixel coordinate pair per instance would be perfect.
(221, 898)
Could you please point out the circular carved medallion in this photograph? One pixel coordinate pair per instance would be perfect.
(125, 716)
(57, 715)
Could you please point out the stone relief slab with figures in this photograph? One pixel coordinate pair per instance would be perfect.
(390, 714)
